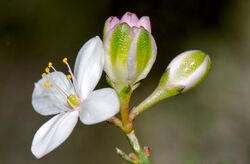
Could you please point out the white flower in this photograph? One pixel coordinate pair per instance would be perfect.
(70, 96)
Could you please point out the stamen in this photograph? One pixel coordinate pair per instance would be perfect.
(65, 60)
(50, 65)
(69, 76)
(47, 70)
(53, 68)
(46, 84)
(60, 89)
(51, 81)
(65, 106)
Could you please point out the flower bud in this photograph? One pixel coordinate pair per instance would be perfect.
(183, 73)
(186, 70)
(130, 49)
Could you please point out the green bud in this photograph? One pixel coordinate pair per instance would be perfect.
(130, 53)
(186, 71)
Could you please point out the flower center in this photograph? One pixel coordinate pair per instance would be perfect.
(69, 91)
(73, 101)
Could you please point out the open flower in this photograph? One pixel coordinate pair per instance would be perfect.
(70, 96)
(130, 49)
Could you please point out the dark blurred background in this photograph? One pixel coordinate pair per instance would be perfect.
(208, 125)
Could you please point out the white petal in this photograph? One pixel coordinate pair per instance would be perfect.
(100, 105)
(47, 101)
(89, 65)
(53, 133)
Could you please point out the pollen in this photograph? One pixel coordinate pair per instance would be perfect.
(65, 60)
(46, 84)
(50, 65)
(47, 70)
(69, 76)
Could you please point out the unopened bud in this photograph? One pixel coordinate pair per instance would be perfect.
(186, 70)
(130, 49)
(133, 156)
(146, 151)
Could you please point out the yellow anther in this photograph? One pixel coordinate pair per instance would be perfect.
(69, 76)
(47, 70)
(50, 64)
(65, 60)
(46, 84)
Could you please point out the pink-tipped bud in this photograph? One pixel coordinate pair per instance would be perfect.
(130, 49)
(130, 18)
(145, 22)
(110, 23)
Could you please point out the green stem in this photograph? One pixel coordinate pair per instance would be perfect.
(153, 98)
(124, 96)
(126, 125)
(124, 156)
(159, 94)
(134, 143)
(115, 121)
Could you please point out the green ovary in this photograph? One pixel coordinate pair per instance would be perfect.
(73, 101)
